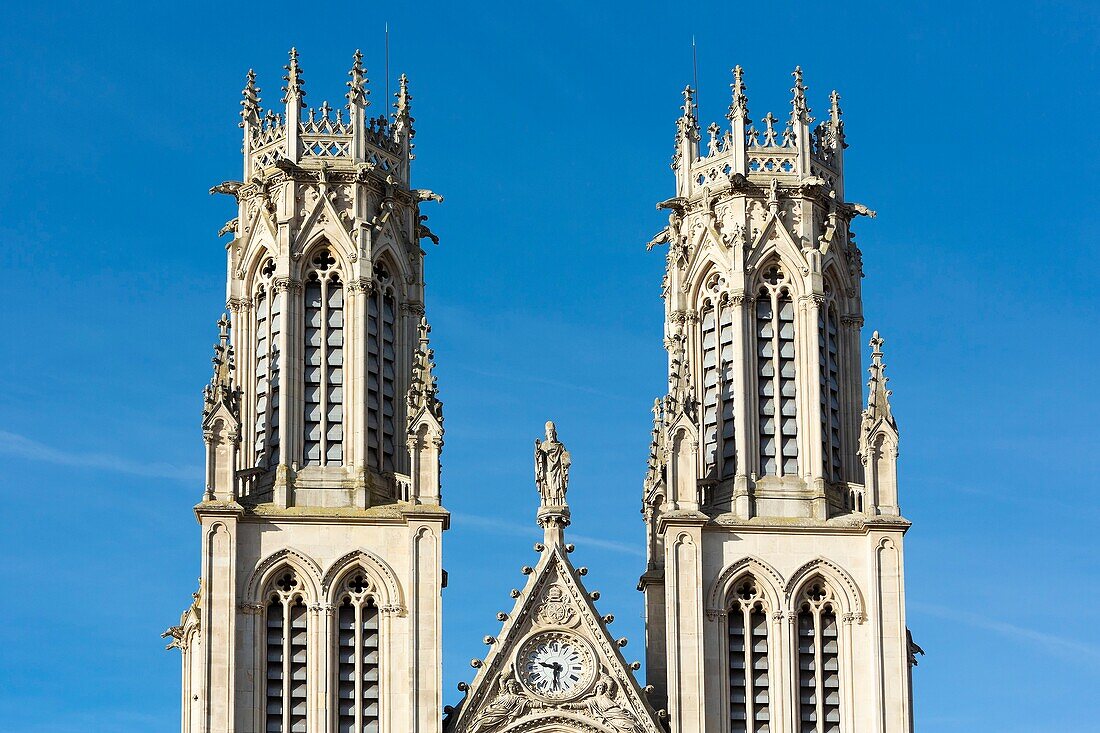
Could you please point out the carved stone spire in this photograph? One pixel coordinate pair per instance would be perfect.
(357, 87)
(423, 392)
(221, 389)
(878, 396)
(739, 106)
(836, 121)
(688, 124)
(250, 104)
(294, 94)
(800, 111)
(402, 118)
(681, 387)
(294, 91)
(654, 466)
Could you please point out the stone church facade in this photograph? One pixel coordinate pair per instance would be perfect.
(774, 586)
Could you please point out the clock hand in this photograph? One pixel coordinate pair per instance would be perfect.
(548, 666)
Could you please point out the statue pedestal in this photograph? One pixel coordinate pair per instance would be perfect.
(553, 518)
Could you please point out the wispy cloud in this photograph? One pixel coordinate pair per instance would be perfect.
(529, 530)
(31, 450)
(1064, 646)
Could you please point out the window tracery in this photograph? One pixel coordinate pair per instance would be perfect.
(267, 325)
(818, 660)
(777, 422)
(324, 362)
(357, 656)
(286, 669)
(750, 701)
(716, 351)
(382, 371)
(828, 326)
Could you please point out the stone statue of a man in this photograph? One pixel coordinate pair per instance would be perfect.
(551, 467)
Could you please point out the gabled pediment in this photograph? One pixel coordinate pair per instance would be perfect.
(554, 665)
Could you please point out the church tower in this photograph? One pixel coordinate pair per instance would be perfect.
(318, 607)
(774, 588)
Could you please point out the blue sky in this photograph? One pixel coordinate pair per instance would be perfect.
(549, 129)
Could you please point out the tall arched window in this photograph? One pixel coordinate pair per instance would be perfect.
(286, 696)
(382, 371)
(777, 424)
(750, 696)
(357, 656)
(818, 660)
(324, 362)
(828, 326)
(267, 307)
(716, 345)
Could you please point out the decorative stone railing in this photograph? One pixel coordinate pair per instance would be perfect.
(325, 133)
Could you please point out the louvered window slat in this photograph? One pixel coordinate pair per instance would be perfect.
(324, 360)
(776, 374)
(750, 693)
(357, 655)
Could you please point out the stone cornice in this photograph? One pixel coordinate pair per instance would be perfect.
(396, 513)
(218, 509)
(850, 524)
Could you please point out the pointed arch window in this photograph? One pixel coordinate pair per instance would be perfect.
(357, 652)
(286, 665)
(777, 421)
(382, 371)
(267, 308)
(749, 664)
(818, 660)
(716, 351)
(324, 362)
(828, 326)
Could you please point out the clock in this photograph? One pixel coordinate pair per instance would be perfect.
(555, 665)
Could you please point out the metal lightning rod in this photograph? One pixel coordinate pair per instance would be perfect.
(695, 70)
(386, 103)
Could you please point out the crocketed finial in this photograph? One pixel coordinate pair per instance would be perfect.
(402, 116)
(835, 111)
(423, 392)
(799, 109)
(739, 106)
(357, 87)
(878, 396)
(688, 107)
(250, 105)
(221, 389)
(295, 85)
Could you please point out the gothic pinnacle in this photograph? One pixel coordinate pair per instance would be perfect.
(357, 87)
(836, 121)
(295, 85)
(799, 109)
(739, 105)
(250, 105)
(688, 107)
(878, 396)
(403, 106)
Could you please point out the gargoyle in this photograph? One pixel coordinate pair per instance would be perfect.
(423, 194)
(229, 188)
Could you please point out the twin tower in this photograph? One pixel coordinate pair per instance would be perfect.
(774, 594)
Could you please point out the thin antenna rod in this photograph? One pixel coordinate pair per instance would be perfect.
(387, 64)
(695, 70)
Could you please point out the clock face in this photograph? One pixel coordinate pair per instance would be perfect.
(555, 665)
